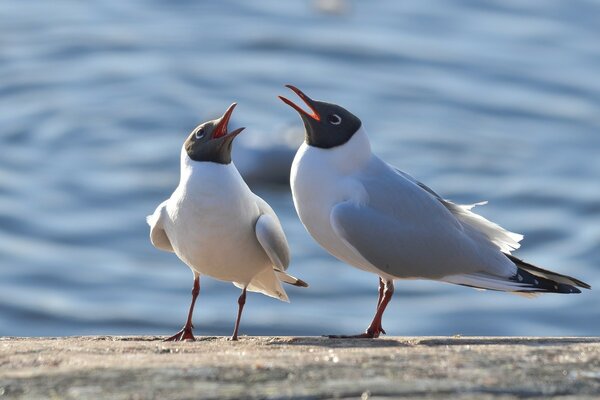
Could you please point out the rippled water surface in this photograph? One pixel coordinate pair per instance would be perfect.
(495, 101)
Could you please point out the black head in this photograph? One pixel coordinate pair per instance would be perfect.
(328, 126)
(210, 141)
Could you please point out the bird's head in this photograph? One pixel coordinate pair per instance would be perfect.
(327, 125)
(210, 141)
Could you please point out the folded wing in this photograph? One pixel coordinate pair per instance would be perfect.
(272, 239)
(158, 236)
(405, 249)
(505, 240)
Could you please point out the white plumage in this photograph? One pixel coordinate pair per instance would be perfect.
(382, 220)
(219, 228)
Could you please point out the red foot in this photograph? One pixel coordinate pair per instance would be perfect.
(386, 290)
(182, 335)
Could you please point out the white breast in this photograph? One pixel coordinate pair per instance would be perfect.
(323, 178)
(212, 215)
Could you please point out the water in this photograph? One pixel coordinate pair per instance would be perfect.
(496, 101)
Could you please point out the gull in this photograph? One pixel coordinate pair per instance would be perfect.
(217, 226)
(379, 219)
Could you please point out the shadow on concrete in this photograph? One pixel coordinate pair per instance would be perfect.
(430, 341)
(490, 341)
(338, 343)
(324, 341)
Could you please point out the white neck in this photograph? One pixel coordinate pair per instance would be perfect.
(186, 165)
(202, 168)
(352, 155)
(186, 162)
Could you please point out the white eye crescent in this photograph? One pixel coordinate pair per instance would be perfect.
(334, 119)
(199, 133)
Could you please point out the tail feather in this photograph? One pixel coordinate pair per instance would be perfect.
(528, 280)
(266, 283)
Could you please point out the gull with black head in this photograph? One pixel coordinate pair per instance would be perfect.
(377, 218)
(217, 226)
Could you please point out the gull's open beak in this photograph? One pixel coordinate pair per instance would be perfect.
(307, 100)
(221, 128)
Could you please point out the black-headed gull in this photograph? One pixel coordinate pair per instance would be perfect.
(379, 219)
(217, 226)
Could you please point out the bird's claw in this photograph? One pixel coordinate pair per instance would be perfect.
(183, 335)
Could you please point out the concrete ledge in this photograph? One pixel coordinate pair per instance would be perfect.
(303, 368)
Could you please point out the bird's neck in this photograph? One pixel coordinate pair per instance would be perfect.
(186, 163)
(204, 171)
(353, 155)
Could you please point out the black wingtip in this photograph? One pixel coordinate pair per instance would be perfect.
(535, 283)
(551, 276)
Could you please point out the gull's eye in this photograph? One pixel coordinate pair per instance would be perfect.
(334, 119)
(199, 133)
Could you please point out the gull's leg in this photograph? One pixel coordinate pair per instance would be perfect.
(241, 302)
(381, 290)
(374, 329)
(186, 332)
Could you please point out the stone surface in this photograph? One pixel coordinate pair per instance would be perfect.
(301, 368)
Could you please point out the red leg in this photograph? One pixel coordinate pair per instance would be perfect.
(186, 332)
(374, 329)
(241, 302)
(381, 290)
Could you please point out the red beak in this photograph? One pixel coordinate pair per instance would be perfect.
(307, 100)
(221, 129)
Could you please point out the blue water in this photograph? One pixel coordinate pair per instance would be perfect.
(496, 100)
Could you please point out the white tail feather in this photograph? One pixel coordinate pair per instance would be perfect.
(266, 283)
(484, 281)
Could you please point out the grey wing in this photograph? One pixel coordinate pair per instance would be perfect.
(402, 249)
(504, 239)
(420, 184)
(271, 237)
(273, 241)
(158, 236)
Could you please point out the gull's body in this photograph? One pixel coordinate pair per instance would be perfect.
(381, 220)
(217, 226)
(211, 223)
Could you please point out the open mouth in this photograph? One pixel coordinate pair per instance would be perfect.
(307, 100)
(221, 129)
